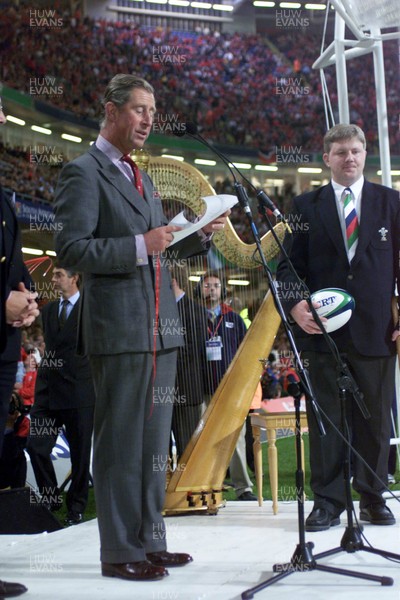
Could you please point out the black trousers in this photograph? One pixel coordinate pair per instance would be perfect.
(185, 419)
(8, 371)
(45, 425)
(13, 462)
(375, 377)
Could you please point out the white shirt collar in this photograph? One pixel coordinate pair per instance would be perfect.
(356, 187)
(108, 149)
(115, 156)
(72, 299)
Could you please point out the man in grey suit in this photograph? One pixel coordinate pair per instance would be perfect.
(114, 231)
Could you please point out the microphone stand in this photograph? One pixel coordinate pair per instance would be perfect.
(302, 558)
(352, 539)
(243, 201)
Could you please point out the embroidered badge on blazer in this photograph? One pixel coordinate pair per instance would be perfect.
(383, 231)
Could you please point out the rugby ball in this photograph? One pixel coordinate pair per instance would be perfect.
(334, 304)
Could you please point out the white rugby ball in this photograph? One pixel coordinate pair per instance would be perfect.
(336, 305)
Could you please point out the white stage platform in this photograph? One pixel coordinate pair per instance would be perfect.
(232, 551)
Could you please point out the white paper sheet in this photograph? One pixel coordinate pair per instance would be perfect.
(215, 207)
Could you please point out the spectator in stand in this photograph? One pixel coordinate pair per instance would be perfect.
(208, 81)
(271, 388)
(27, 390)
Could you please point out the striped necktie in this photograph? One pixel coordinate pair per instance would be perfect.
(351, 220)
(136, 173)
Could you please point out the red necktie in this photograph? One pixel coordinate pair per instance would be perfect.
(136, 173)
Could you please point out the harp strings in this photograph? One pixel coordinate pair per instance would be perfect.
(195, 378)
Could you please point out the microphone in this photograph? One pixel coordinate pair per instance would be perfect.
(192, 130)
(266, 200)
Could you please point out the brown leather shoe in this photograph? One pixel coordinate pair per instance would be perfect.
(136, 571)
(169, 559)
(11, 590)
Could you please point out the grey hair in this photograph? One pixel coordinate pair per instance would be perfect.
(341, 132)
(119, 90)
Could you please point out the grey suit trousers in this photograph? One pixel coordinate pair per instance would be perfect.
(130, 452)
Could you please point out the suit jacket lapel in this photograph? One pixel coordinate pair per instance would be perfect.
(71, 321)
(52, 322)
(367, 222)
(148, 191)
(114, 176)
(330, 219)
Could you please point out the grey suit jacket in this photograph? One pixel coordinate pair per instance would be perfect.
(98, 214)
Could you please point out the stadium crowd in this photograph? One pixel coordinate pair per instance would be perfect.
(20, 172)
(253, 91)
(247, 90)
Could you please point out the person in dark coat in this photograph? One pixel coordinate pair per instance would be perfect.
(18, 308)
(189, 394)
(347, 235)
(64, 396)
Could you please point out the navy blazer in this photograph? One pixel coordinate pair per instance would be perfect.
(230, 327)
(318, 253)
(12, 272)
(190, 369)
(64, 379)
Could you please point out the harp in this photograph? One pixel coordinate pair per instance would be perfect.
(197, 481)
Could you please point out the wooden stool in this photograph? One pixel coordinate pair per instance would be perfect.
(272, 422)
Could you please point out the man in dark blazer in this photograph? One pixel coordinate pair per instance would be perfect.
(18, 308)
(367, 266)
(113, 229)
(225, 331)
(64, 395)
(189, 393)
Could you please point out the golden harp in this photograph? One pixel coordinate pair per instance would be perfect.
(197, 482)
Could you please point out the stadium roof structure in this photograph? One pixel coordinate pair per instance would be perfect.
(367, 15)
(366, 20)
